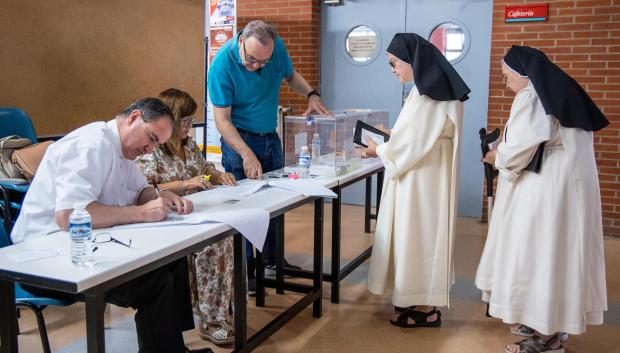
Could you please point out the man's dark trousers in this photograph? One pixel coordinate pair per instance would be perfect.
(162, 300)
(268, 150)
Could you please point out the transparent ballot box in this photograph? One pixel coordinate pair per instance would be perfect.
(329, 140)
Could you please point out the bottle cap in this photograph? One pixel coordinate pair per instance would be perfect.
(304, 148)
(316, 134)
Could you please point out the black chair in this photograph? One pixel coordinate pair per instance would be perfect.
(24, 299)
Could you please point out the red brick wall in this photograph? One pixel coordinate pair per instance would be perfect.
(583, 38)
(298, 23)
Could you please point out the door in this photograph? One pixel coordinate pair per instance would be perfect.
(356, 79)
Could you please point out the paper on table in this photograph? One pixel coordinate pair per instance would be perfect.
(253, 225)
(245, 188)
(35, 255)
(304, 187)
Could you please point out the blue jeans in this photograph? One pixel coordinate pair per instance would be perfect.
(268, 151)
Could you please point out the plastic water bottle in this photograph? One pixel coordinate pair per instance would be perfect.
(80, 229)
(316, 147)
(304, 162)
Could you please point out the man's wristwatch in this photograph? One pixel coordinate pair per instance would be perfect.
(313, 93)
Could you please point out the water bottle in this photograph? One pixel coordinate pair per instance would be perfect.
(304, 162)
(316, 147)
(80, 229)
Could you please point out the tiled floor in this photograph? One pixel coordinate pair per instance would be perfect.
(359, 323)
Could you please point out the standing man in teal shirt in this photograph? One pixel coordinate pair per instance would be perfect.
(244, 84)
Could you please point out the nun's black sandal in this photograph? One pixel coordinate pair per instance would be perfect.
(400, 309)
(419, 317)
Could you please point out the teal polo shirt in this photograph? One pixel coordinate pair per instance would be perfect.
(252, 96)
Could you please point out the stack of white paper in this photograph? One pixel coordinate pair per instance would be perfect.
(247, 187)
(302, 186)
(253, 225)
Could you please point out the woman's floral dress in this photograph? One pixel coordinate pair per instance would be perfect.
(211, 270)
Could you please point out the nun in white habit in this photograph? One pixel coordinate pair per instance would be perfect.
(412, 251)
(543, 264)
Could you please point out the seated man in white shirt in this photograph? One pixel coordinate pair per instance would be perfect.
(95, 164)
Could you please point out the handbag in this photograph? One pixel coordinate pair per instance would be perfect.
(8, 145)
(27, 159)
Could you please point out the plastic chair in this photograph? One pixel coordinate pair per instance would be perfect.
(24, 299)
(14, 121)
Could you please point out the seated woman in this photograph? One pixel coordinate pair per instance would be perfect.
(179, 166)
(543, 264)
(414, 235)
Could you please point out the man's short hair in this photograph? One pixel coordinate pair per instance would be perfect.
(263, 32)
(151, 109)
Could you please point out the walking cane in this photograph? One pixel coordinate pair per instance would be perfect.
(489, 173)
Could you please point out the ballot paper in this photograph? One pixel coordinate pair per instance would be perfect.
(248, 187)
(253, 225)
(305, 187)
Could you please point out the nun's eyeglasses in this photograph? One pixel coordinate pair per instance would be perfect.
(106, 237)
(392, 64)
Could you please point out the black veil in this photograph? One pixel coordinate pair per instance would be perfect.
(560, 94)
(434, 76)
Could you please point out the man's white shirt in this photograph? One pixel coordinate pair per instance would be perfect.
(86, 165)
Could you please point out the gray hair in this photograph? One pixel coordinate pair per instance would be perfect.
(261, 30)
(151, 109)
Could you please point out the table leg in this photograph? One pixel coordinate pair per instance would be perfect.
(336, 215)
(260, 279)
(367, 201)
(317, 283)
(279, 224)
(240, 278)
(95, 336)
(8, 319)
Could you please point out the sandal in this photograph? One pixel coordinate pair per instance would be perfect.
(522, 330)
(538, 345)
(420, 318)
(563, 337)
(400, 309)
(222, 336)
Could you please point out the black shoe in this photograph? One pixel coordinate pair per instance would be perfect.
(291, 266)
(200, 350)
(270, 269)
(252, 287)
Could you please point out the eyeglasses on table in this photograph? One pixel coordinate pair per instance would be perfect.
(107, 237)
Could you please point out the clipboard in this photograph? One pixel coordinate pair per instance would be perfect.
(362, 129)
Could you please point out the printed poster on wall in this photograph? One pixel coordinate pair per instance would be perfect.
(219, 36)
(220, 26)
(221, 12)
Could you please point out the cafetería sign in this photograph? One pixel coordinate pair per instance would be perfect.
(526, 13)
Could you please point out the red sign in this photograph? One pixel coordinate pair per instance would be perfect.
(526, 13)
(220, 35)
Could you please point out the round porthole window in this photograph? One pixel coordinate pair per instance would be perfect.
(450, 39)
(361, 44)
